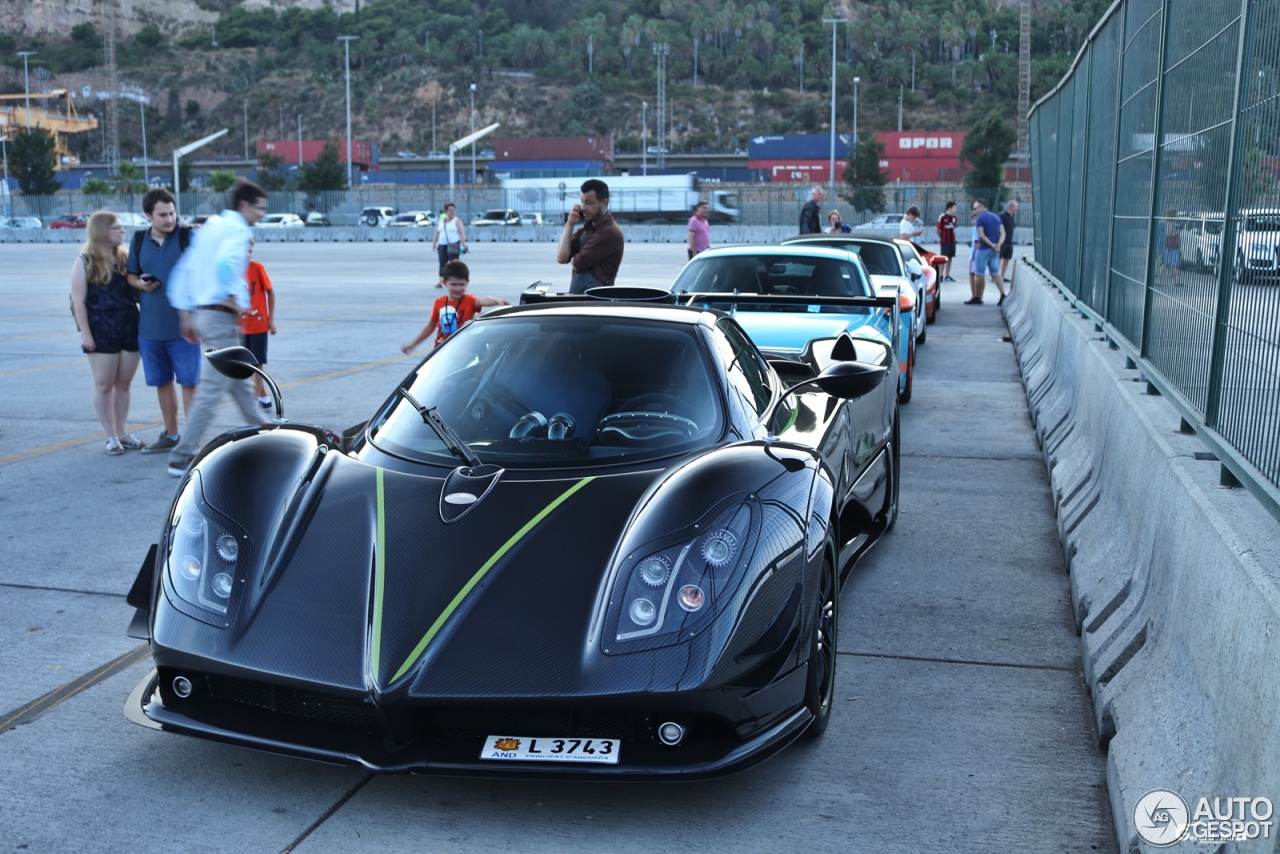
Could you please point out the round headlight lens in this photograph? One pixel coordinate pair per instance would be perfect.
(228, 548)
(691, 597)
(719, 547)
(643, 612)
(189, 567)
(222, 585)
(654, 571)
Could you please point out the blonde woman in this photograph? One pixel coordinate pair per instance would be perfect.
(450, 239)
(106, 311)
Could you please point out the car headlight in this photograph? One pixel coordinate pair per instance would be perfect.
(205, 558)
(662, 593)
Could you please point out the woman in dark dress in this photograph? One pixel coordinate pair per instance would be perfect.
(106, 311)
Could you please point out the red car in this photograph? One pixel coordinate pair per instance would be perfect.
(933, 264)
(71, 220)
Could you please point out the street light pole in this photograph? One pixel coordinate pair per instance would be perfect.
(644, 137)
(856, 81)
(473, 130)
(346, 44)
(146, 163)
(831, 176)
(299, 140)
(26, 82)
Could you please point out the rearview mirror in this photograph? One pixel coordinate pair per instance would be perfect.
(914, 268)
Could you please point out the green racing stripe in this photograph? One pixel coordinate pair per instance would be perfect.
(379, 581)
(466, 588)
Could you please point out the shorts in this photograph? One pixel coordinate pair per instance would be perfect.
(442, 253)
(1172, 257)
(257, 344)
(948, 249)
(1006, 250)
(162, 361)
(113, 330)
(986, 261)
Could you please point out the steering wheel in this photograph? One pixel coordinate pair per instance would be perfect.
(656, 402)
(643, 426)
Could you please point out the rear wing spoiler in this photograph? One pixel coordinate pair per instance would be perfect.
(889, 305)
(541, 292)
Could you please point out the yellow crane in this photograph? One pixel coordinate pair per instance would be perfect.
(56, 121)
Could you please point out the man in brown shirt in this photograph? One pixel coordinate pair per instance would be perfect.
(596, 250)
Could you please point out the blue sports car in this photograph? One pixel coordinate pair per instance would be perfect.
(809, 284)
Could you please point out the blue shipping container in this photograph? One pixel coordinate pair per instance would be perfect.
(798, 146)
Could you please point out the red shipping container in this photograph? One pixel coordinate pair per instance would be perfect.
(361, 151)
(551, 148)
(919, 169)
(933, 144)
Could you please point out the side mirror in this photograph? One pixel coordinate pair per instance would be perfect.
(239, 363)
(847, 380)
(914, 268)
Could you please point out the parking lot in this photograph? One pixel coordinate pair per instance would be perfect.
(962, 722)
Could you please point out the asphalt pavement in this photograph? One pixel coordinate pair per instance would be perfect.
(962, 722)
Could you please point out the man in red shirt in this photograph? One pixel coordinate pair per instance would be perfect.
(455, 308)
(947, 238)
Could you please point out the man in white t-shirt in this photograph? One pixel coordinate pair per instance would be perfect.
(911, 227)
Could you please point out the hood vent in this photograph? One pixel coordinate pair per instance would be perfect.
(464, 488)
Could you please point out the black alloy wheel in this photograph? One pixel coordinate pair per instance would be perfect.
(820, 682)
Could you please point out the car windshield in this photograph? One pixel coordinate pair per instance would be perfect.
(499, 216)
(774, 273)
(560, 390)
(1263, 222)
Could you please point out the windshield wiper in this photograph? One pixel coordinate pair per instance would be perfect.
(444, 431)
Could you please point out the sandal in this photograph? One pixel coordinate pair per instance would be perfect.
(114, 448)
(132, 442)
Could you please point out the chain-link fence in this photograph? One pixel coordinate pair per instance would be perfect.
(1156, 162)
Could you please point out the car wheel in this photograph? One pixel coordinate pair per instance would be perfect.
(890, 512)
(904, 393)
(924, 331)
(1238, 273)
(371, 220)
(932, 316)
(820, 683)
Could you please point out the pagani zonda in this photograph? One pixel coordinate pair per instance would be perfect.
(580, 540)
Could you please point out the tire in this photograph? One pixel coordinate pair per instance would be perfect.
(904, 395)
(820, 682)
(890, 512)
(371, 220)
(924, 331)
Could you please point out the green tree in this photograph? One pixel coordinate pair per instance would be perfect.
(327, 173)
(221, 180)
(863, 177)
(31, 161)
(987, 146)
(271, 175)
(95, 187)
(129, 178)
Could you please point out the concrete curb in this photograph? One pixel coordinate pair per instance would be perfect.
(1173, 577)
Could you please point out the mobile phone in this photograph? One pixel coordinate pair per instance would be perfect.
(147, 277)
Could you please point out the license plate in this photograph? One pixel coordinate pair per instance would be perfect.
(602, 751)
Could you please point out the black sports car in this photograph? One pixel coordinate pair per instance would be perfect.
(597, 540)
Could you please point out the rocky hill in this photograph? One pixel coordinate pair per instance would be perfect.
(53, 17)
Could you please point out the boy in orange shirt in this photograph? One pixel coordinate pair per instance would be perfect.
(453, 309)
(259, 320)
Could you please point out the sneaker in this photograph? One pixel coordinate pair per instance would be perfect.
(132, 442)
(974, 301)
(179, 463)
(114, 448)
(947, 279)
(164, 443)
(1001, 300)
(264, 402)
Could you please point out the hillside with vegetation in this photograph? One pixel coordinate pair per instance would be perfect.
(734, 69)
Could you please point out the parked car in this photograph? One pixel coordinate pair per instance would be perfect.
(315, 219)
(892, 274)
(656, 149)
(487, 154)
(280, 220)
(1258, 245)
(197, 220)
(1201, 238)
(405, 154)
(931, 265)
(377, 216)
(130, 219)
(531, 218)
(886, 225)
(680, 574)
(71, 220)
(497, 216)
(413, 219)
(438, 155)
(21, 222)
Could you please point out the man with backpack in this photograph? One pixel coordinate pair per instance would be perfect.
(166, 356)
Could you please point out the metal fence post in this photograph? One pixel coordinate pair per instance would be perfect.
(1157, 159)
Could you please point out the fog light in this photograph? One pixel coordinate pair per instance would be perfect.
(182, 686)
(670, 733)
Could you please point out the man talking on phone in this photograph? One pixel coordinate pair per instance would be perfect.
(166, 355)
(595, 250)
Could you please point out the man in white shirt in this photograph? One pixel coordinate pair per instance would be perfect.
(911, 227)
(208, 288)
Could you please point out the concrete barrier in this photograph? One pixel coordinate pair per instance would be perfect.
(1174, 578)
